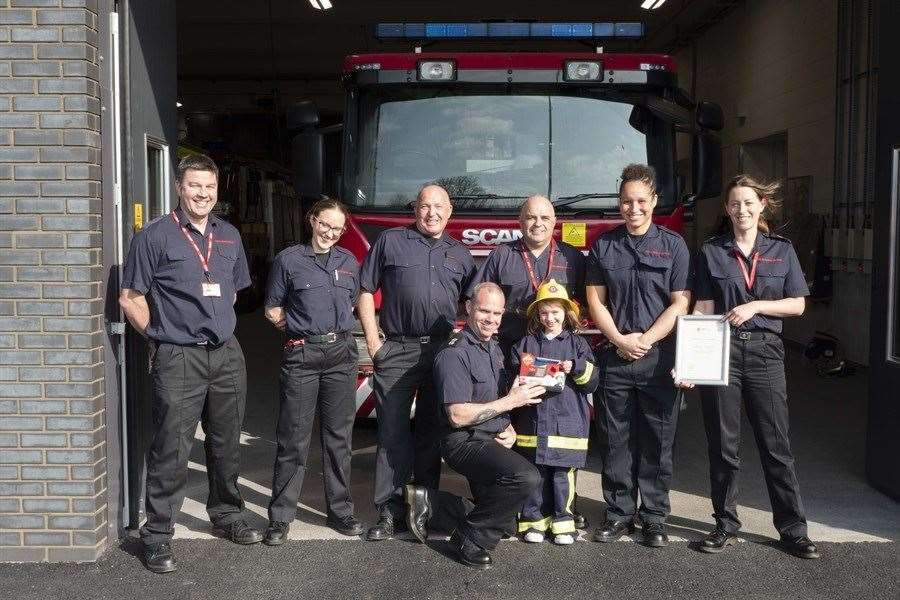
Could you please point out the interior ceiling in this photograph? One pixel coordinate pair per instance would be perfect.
(251, 56)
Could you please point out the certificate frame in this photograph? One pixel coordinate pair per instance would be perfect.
(712, 334)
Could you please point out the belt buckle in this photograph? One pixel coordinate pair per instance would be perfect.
(744, 335)
(330, 337)
(424, 339)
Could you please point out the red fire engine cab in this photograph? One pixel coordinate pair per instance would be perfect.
(495, 127)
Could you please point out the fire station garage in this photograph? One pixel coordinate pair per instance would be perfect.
(367, 101)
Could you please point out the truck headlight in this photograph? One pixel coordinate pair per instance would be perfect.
(580, 70)
(437, 70)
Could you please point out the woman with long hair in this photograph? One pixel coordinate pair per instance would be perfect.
(753, 278)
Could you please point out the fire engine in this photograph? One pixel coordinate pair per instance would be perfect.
(495, 127)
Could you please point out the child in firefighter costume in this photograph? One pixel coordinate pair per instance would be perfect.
(554, 433)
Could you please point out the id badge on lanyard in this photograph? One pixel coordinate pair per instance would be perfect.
(749, 276)
(209, 288)
(530, 269)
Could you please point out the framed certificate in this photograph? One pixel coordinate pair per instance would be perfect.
(702, 349)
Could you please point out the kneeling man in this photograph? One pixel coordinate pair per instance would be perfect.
(477, 438)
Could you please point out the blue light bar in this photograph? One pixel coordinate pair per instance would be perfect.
(579, 31)
(509, 30)
(604, 30)
(455, 30)
(629, 30)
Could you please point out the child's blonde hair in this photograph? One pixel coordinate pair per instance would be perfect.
(571, 320)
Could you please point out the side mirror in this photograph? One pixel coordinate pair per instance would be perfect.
(307, 157)
(307, 148)
(706, 165)
(301, 116)
(709, 116)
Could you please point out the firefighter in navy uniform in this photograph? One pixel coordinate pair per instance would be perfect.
(180, 282)
(470, 379)
(554, 433)
(754, 279)
(520, 267)
(311, 293)
(637, 286)
(421, 272)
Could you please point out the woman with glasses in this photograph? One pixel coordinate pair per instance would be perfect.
(311, 294)
(753, 278)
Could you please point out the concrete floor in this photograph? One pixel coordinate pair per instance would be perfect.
(828, 437)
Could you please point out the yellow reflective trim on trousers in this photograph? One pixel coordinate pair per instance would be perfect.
(541, 525)
(563, 527)
(586, 376)
(567, 443)
(526, 441)
(553, 441)
(570, 499)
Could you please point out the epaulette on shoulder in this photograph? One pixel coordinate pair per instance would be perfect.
(780, 238)
(668, 231)
(454, 339)
(157, 220)
(289, 250)
(714, 238)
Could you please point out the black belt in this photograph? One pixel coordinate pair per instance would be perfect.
(209, 345)
(411, 339)
(325, 338)
(744, 336)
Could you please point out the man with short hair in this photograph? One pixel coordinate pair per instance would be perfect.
(179, 286)
(469, 375)
(421, 273)
(520, 267)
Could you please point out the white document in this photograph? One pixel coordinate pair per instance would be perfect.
(702, 349)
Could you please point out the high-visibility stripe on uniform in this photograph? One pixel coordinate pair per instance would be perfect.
(586, 376)
(526, 441)
(570, 478)
(559, 442)
(541, 525)
(567, 526)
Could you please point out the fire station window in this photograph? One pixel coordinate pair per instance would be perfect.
(158, 179)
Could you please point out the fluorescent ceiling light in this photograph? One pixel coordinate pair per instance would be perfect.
(320, 4)
(646, 4)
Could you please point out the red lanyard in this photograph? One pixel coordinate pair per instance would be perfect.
(204, 262)
(749, 278)
(528, 267)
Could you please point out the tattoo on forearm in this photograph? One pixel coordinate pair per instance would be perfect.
(485, 415)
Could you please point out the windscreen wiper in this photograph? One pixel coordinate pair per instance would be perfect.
(567, 200)
(486, 197)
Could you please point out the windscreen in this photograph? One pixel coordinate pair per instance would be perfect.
(491, 151)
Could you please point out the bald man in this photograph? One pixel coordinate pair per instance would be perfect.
(421, 273)
(520, 267)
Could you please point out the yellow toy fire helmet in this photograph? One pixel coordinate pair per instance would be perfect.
(553, 291)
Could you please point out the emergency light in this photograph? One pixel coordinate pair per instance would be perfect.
(437, 70)
(583, 70)
(507, 30)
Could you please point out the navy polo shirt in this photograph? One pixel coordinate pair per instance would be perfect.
(778, 275)
(421, 282)
(466, 370)
(163, 266)
(639, 276)
(316, 298)
(505, 267)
